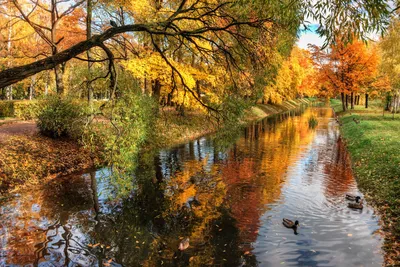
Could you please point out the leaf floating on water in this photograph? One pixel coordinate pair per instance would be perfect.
(247, 253)
(349, 234)
(282, 262)
(93, 245)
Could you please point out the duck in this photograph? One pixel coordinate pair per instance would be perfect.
(184, 244)
(353, 197)
(290, 224)
(358, 205)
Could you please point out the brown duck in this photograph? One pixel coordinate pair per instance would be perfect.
(290, 224)
(358, 205)
(353, 197)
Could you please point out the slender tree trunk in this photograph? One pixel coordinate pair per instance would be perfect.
(46, 84)
(32, 87)
(352, 100)
(343, 101)
(156, 90)
(58, 70)
(366, 100)
(9, 89)
(347, 101)
(89, 88)
(59, 80)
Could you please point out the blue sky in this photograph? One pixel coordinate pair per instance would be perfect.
(310, 37)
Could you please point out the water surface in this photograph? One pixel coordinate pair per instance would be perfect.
(229, 203)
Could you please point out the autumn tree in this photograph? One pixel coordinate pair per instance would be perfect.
(55, 25)
(232, 31)
(345, 68)
(295, 78)
(390, 64)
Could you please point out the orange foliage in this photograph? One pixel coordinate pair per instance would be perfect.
(345, 68)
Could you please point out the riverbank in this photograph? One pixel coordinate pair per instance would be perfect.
(374, 147)
(26, 157)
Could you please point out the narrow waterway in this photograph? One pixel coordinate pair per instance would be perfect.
(222, 199)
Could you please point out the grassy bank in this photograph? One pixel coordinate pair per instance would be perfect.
(174, 129)
(28, 158)
(374, 146)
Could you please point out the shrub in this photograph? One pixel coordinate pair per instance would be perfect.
(22, 109)
(6, 108)
(60, 117)
(312, 122)
(26, 110)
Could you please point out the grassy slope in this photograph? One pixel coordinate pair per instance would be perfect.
(374, 146)
(27, 159)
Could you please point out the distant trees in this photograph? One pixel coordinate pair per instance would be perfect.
(295, 78)
(346, 69)
(390, 66)
(234, 43)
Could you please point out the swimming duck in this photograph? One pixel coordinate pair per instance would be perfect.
(184, 244)
(290, 224)
(358, 205)
(353, 197)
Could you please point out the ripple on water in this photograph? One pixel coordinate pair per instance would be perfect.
(230, 203)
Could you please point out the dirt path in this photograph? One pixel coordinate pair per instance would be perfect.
(25, 128)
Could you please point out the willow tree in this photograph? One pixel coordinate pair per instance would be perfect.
(236, 33)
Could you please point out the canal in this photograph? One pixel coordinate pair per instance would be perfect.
(221, 201)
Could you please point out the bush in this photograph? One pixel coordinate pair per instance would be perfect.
(22, 109)
(26, 110)
(61, 117)
(312, 122)
(6, 108)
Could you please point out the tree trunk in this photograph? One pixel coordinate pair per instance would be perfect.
(32, 87)
(347, 101)
(343, 101)
(352, 100)
(156, 90)
(9, 92)
(88, 54)
(58, 71)
(366, 100)
(46, 84)
(59, 79)
(9, 89)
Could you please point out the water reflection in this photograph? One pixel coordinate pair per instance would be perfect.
(229, 204)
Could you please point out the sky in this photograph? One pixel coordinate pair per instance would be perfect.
(310, 37)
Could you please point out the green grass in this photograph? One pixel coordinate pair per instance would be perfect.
(312, 122)
(374, 146)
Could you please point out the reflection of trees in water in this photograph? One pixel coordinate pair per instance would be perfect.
(195, 191)
(163, 210)
(40, 222)
(256, 167)
(339, 176)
